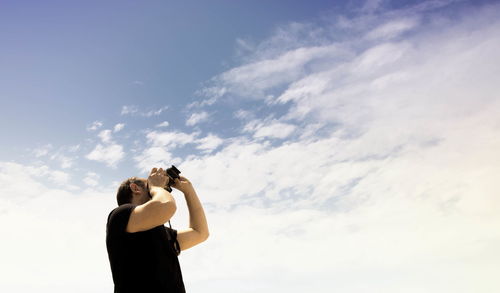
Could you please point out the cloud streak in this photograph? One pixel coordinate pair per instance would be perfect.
(135, 111)
(94, 126)
(196, 118)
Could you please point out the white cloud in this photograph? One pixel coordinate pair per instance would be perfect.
(250, 80)
(203, 103)
(91, 179)
(196, 118)
(40, 203)
(56, 155)
(94, 126)
(42, 151)
(160, 146)
(105, 136)
(213, 94)
(155, 112)
(65, 161)
(59, 177)
(109, 154)
(118, 127)
(129, 110)
(269, 129)
(171, 139)
(244, 47)
(134, 110)
(243, 114)
(163, 124)
(393, 28)
(74, 148)
(209, 142)
(400, 180)
(41, 172)
(336, 200)
(155, 156)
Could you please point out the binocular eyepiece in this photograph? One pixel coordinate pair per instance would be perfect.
(172, 173)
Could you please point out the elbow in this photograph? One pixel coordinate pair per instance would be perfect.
(204, 236)
(173, 207)
(170, 209)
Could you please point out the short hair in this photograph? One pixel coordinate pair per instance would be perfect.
(124, 193)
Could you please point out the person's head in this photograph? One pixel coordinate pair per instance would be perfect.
(133, 190)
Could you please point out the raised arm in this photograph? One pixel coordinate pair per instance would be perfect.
(198, 227)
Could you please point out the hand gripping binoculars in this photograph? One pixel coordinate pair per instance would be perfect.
(172, 173)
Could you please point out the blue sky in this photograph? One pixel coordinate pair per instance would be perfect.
(66, 65)
(95, 51)
(352, 146)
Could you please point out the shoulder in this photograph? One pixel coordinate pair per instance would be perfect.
(124, 209)
(119, 216)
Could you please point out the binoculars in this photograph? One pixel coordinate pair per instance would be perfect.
(172, 173)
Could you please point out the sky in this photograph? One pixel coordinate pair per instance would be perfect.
(336, 146)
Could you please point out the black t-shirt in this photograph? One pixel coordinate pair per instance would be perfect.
(145, 261)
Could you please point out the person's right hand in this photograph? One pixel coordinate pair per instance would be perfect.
(158, 177)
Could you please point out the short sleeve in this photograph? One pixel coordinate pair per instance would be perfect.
(172, 238)
(118, 218)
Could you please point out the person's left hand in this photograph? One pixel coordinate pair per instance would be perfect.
(183, 184)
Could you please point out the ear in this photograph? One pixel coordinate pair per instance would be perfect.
(134, 187)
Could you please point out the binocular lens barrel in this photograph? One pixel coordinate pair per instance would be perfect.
(172, 173)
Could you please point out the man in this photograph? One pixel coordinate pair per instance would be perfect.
(142, 251)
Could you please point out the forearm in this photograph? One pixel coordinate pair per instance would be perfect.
(197, 219)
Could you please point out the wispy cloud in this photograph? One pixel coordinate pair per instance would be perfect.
(155, 112)
(94, 126)
(43, 150)
(213, 94)
(390, 147)
(134, 111)
(243, 114)
(196, 118)
(163, 124)
(59, 155)
(118, 127)
(91, 179)
(253, 79)
(269, 129)
(393, 28)
(129, 110)
(74, 148)
(64, 161)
